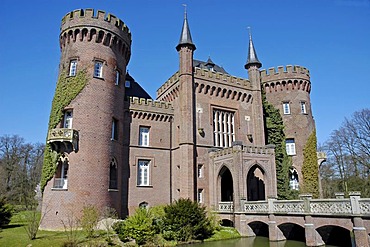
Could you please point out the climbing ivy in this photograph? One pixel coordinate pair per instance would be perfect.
(310, 166)
(67, 89)
(274, 128)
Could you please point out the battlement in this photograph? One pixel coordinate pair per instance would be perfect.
(172, 80)
(99, 19)
(220, 77)
(287, 72)
(151, 105)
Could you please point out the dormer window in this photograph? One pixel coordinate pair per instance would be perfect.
(127, 84)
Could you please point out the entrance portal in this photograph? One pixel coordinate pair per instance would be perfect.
(255, 184)
(227, 190)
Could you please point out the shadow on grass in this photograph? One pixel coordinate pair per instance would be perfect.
(12, 226)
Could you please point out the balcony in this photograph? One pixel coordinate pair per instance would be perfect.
(63, 140)
(60, 183)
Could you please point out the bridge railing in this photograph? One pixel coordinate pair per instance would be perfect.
(306, 205)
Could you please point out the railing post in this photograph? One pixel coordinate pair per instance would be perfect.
(359, 231)
(306, 200)
(275, 233)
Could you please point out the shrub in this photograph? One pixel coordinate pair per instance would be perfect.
(89, 220)
(138, 227)
(185, 220)
(6, 212)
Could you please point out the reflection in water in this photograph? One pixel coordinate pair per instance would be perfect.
(251, 242)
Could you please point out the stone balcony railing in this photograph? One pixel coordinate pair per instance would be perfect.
(355, 205)
(63, 140)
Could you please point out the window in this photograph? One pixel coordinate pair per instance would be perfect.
(72, 67)
(114, 129)
(118, 77)
(200, 171)
(143, 205)
(290, 146)
(143, 173)
(127, 84)
(293, 179)
(68, 117)
(303, 107)
(200, 195)
(60, 180)
(286, 108)
(98, 69)
(113, 174)
(223, 128)
(144, 136)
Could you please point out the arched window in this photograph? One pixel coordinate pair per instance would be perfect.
(61, 175)
(113, 174)
(143, 205)
(293, 179)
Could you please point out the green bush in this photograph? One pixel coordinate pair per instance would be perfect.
(185, 220)
(138, 227)
(89, 220)
(6, 212)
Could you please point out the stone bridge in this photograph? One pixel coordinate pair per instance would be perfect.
(340, 221)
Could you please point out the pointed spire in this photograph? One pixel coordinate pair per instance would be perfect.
(185, 38)
(252, 55)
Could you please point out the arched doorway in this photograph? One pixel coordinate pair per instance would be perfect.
(255, 184)
(227, 190)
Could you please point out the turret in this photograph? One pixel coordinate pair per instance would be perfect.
(88, 103)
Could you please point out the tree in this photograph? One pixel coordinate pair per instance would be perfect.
(310, 168)
(274, 131)
(6, 212)
(185, 220)
(348, 151)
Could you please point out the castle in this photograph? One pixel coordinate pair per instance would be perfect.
(203, 138)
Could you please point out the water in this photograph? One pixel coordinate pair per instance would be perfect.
(252, 242)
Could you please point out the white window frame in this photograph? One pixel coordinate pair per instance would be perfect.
(286, 108)
(114, 129)
(200, 195)
(303, 107)
(98, 69)
(144, 136)
(127, 84)
(143, 172)
(73, 67)
(290, 146)
(223, 128)
(118, 77)
(200, 170)
(68, 119)
(293, 179)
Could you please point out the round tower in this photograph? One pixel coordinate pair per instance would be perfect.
(85, 137)
(288, 89)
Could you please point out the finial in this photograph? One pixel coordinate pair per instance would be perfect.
(250, 32)
(184, 10)
(252, 55)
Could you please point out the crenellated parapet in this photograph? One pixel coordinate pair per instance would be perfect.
(168, 86)
(221, 78)
(150, 109)
(100, 27)
(286, 78)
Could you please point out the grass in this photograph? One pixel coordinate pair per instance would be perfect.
(15, 235)
(224, 233)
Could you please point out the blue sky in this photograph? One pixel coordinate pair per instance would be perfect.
(329, 37)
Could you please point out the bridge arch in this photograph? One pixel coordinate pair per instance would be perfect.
(293, 231)
(259, 228)
(335, 235)
(256, 186)
(225, 185)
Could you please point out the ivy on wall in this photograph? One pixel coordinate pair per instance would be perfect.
(274, 128)
(310, 166)
(67, 89)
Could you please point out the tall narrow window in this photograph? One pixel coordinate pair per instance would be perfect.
(303, 107)
(118, 77)
(68, 117)
(200, 195)
(61, 175)
(72, 67)
(223, 128)
(143, 173)
(114, 129)
(144, 136)
(286, 108)
(98, 69)
(293, 179)
(290, 146)
(113, 174)
(200, 171)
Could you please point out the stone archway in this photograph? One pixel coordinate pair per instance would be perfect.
(256, 184)
(226, 185)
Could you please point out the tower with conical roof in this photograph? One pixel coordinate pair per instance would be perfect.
(253, 65)
(184, 109)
